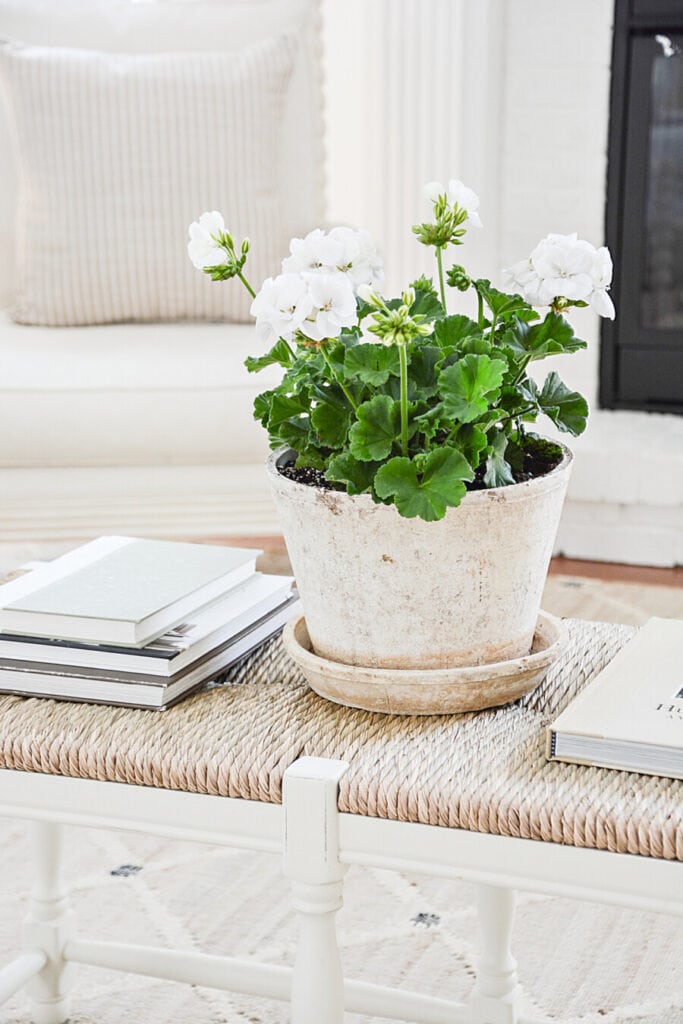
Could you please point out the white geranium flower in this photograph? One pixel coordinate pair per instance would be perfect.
(565, 266)
(564, 263)
(333, 306)
(524, 279)
(281, 306)
(203, 249)
(316, 253)
(342, 251)
(359, 258)
(457, 194)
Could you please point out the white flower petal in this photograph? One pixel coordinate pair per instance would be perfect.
(433, 190)
(602, 304)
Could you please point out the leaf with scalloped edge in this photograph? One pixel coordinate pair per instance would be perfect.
(469, 386)
(567, 409)
(372, 437)
(427, 486)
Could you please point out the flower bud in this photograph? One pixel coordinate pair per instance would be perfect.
(367, 294)
(408, 297)
(459, 278)
(245, 246)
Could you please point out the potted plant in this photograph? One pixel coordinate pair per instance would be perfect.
(418, 506)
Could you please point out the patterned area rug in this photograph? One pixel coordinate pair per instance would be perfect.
(580, 963)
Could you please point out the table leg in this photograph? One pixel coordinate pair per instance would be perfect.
(497, 994)
(48, 926)
(312, 864)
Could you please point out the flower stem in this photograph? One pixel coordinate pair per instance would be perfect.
(349, 396)
(246, 284)
(439, 261)
(403, 360)
(480, 310)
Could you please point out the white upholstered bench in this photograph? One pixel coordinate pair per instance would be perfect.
(264, 764)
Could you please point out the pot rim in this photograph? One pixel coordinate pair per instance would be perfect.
(511, 491)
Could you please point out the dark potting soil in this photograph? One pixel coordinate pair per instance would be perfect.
(540, 457)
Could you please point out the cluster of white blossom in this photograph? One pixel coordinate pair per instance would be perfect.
(565, 266)
(315, 305)
(315, 295)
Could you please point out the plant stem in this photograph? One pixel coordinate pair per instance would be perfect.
(522, 371)
(349, 396)
(480, 310)
(246, 284)
(403, 359)
(518, 414)
(439, 261)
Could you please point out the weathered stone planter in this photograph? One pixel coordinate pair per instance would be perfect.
(379, 590)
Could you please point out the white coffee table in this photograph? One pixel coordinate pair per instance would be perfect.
(266, 765)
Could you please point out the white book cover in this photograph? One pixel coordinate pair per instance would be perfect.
(631, 715)
(120, 589)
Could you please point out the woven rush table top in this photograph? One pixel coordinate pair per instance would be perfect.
(485, 771)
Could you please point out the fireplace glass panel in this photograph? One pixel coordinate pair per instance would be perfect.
(662, 289)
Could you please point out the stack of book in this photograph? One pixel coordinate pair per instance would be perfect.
(136, 622)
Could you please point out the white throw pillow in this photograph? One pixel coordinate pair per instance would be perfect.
(118, 153)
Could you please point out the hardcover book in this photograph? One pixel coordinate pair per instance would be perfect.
(631, 715)
(181, 646)
(121, 590)
(151, 692)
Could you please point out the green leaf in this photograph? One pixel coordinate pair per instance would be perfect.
(498, 472)
(372, 437)
(313, 459)
(422, 376)
(294, 432)
(426, 304)
(451, 331)
(331, 424)
(503, 305)
(372, 364)
(470, 385)
(280, 353)
(355, 475)
(472, 441)
(262, 407)
(550, 338)
(425, 488)
(284, 407)
(567, 409)
(350, 336)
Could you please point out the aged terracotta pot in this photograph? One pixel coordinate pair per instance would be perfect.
(379, 590)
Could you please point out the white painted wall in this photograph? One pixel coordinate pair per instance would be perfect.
(512, 96)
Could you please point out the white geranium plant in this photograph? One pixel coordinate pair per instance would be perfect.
(398, 397)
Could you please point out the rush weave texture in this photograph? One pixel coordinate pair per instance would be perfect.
(484, 771)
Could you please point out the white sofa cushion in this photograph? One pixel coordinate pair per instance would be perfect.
(118, 153)
(165, 26)
(129, 394)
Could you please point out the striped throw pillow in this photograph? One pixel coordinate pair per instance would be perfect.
(118, 153)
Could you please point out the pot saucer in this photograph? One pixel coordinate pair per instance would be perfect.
(442, 691)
